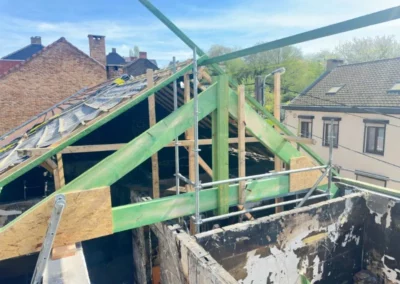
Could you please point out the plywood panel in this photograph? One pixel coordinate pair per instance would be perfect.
(87, 215)
(303, 180)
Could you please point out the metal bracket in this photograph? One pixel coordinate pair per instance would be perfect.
(59, 205)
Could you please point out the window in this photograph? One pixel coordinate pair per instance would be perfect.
(115, 68)
(395, 89)
(327, 131)
(306, 125)
(374, 136)
(334, 90)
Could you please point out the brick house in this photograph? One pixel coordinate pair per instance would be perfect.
(363, 102)
(58, 70)
(19, 56)
(115, 64)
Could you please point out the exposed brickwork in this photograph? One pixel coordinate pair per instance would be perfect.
(97, 48)
(54, 74)
(6, 65)
(112, 73)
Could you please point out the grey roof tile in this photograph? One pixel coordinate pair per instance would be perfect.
(365, 85)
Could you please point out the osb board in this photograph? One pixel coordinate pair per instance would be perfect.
(303, 180)
(87, 215)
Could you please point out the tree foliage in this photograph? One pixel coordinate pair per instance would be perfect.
(368, 49)
(301, 70)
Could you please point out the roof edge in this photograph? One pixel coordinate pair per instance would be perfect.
(351, 109)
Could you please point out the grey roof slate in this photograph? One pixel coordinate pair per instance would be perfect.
(25, 52)
(365, 85)
(114, 58)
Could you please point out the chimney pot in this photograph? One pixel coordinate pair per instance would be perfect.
(97, 48)
(36, 40)
(143, 54)
(114, 50)
(333, 63)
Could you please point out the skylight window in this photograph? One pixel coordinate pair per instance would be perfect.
(334, 90)
(395, 89)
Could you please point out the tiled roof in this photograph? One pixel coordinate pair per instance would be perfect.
(139, 66)
(364, 85)
(22, 63)
(114, 58)
(25, 52)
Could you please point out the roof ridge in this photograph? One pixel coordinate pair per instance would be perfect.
(46, 48)
(369, 62)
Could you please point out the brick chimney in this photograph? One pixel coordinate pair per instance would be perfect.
(114, 50)
(333, 63)
(97, 48)
(36, 40)
(143, 54)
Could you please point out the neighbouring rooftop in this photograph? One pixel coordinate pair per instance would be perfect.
(368, 84)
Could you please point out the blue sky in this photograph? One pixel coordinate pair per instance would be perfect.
(126, 23)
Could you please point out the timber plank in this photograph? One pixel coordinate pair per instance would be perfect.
(302, 180)
(87, 215)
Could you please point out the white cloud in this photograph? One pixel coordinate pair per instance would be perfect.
(240, 25)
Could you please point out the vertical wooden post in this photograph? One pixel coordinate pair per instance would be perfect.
(189, 133)
(152, 121)
(277, 115)
(60, 170)
(220, 131)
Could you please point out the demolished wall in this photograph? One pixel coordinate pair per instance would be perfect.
(182, 260)
(321, 241)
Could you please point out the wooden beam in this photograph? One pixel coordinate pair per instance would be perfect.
(299, 139)
(277, 115)
(60, 169)
(87, 215)
(204, 165)
(242, 150)
(142, 147)
(117, 146)
(221, 134)
(152, 122)
(176, 206)
(259, 128)
(189, 134)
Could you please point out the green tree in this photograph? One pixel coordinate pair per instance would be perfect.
(134, 52)
(368, 49)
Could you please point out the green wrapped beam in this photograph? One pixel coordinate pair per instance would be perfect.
(219, 70)
(33, 162)
(341, 27)
(158, 210)
(221, 138)
(264, 132)
(131, 155)
(368, 186)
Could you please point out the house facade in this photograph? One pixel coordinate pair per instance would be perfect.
(58, 70)
(361, 103)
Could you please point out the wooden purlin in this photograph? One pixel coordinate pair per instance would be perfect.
(87, 215)
(152, 122)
